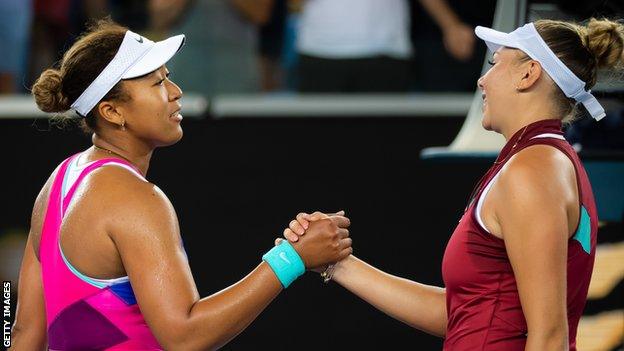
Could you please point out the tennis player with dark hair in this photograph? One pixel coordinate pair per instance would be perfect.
(518, 266)
(104, 267)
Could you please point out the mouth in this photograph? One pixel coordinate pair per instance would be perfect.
(176, 116)
(484, 98)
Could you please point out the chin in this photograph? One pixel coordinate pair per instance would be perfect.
(172, 139)
(486, 123)
(177, 138)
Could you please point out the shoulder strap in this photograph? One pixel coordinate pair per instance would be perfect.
(95, 165)
(51, 217)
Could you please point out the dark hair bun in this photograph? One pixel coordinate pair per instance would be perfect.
(48, 93)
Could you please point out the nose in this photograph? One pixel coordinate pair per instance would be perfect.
(175, 93)
(480, 83)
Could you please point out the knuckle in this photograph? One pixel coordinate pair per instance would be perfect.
(326, 222)
(332, 225)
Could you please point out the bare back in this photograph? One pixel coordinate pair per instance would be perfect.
(85, 232)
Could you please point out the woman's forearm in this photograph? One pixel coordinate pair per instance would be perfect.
(215, 320)
(421, 306)
(441, 12)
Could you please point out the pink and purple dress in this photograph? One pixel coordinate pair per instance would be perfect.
(85, 313)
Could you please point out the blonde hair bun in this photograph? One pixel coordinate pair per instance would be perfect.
(605, 39)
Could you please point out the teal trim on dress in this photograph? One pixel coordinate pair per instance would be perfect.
(583, 233)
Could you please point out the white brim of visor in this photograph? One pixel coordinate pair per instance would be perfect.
(527, 39)
(136, 57)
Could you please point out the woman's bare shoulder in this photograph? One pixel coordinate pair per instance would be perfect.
(538, 173)
(539, 163)
(39, 210)
(127, 199)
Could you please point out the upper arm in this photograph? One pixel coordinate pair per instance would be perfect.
(145, 230)
(29, 331)
(532, 198)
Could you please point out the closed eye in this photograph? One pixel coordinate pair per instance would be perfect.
(492, 63)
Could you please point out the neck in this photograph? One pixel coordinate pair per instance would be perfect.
(530, 107)
(522, 120)
(138, 155)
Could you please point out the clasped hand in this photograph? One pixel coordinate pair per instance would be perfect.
(328, 252)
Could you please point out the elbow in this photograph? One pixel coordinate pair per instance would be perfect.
(178, 339)
(174, 337)
(557, 339)
(185, 336)
(549, 338)
(27, 338)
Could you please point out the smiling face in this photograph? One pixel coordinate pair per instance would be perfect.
(152, 113)
(498, 88)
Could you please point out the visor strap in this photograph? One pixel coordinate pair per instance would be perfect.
(571, 85)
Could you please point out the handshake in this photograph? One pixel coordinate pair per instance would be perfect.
(312, 241)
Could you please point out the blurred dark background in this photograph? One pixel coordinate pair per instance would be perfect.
(237, 182)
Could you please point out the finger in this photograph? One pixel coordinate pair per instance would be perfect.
(340, 221)
(296, 227)
(343, 233)
(301, 218)
(278, 241)
(339, 213)
(345, 253)
(345, 243)
(290, 235)
(317, 216)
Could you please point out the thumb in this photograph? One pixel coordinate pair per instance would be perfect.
(278, 241)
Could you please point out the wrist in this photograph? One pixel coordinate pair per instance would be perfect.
(340, 269)
(285, 263)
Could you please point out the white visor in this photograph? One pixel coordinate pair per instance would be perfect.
(527, 39)
(136, 57)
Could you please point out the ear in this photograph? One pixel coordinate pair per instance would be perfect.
(111, 112)
(530, 71)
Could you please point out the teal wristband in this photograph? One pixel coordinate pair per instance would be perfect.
(285, 262)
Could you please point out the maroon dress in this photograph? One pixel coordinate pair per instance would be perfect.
(482, 301)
